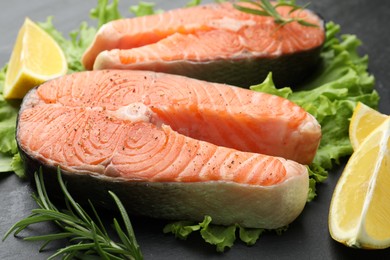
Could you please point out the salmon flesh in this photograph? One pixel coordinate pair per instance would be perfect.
(172, 147)
(214, 42)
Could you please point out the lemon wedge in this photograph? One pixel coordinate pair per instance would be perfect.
(364, 120)
(359, 214)
(36, 58)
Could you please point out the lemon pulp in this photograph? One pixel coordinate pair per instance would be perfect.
(364, 120)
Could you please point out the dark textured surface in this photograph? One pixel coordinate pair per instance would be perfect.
(307, 237)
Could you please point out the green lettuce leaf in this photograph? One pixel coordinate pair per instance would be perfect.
(220, 236)
(5, 163)
(198, 2)
(3, 70)
(8, 115)
(7, 131)
(250, 235)
(105, 12)
(193, 3)
(223, 237)
(268, 86)
(17, 166)
(144, 8)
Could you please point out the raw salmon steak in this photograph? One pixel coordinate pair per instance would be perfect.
(171, 146)
(213, 42)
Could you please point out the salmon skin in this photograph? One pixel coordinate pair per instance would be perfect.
(171, 146)
(213, 42)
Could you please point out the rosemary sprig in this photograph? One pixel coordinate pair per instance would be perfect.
(265, 8)
(86, 236)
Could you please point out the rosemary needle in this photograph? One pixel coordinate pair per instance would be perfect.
(87, 236)
(265, 8)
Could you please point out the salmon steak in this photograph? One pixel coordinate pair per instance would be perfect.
(170, 146)
(214, 42)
